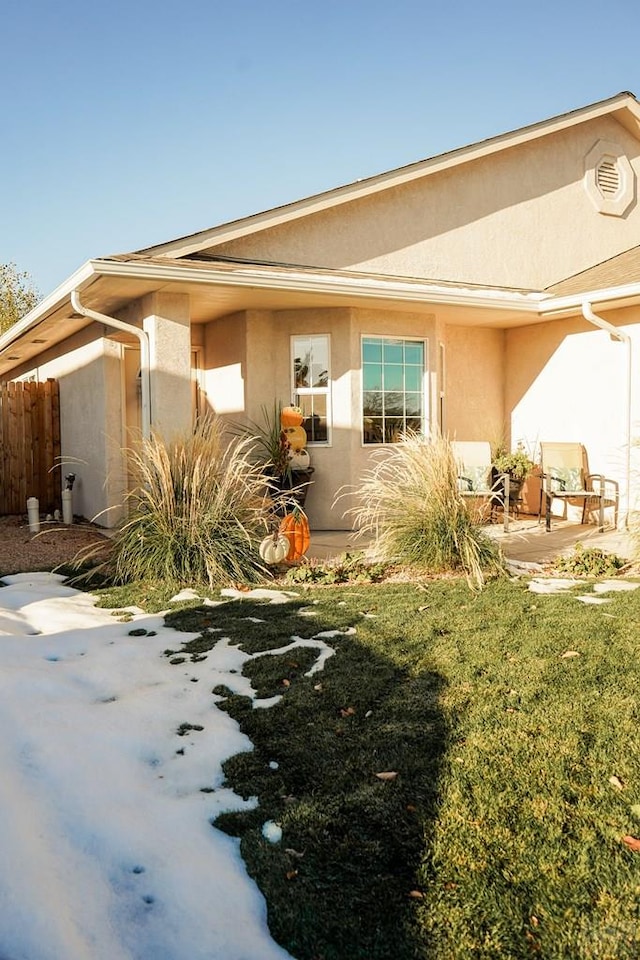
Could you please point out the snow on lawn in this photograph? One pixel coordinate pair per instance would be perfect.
(106, 846)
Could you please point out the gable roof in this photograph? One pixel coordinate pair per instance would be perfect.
(624, 107)
(615, 272)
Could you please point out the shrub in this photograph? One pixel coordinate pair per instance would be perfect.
(346, 568)
(590, 562)
(197, 511)
(410, 503)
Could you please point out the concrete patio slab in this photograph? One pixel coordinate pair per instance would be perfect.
(527, 540)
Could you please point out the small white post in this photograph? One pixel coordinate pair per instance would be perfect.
(67, 506)
(33, 513)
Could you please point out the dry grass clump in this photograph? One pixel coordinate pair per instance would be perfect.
(197, 511)
(410, 503)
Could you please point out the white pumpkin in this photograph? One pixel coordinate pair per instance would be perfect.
(274, 548)
(300, 460)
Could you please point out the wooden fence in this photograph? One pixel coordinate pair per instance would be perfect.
(29, 446)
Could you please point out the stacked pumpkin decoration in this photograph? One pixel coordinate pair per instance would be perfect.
(291, 540)
(291, 424)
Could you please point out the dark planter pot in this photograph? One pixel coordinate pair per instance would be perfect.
(292, 490)
(515, 489)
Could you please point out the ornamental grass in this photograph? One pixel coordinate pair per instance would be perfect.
(197, 511)
(409, 502)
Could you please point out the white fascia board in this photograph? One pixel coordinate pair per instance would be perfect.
(320, 283)
(370, 185)
(48, 305)
(551, 304)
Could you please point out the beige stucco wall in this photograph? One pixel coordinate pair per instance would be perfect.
(88, 369)
(511, 219)
(225, 366)
(99, 398)
(474, 384)
(166, 321)
(259, 341)
(567, 381)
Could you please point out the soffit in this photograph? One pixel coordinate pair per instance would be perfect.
(217, 289)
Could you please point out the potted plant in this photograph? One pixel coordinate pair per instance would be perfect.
(286, 473)
(517, 464)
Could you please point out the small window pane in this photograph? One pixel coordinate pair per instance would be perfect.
(372, 403)
(413, 404)
(393, 429)
(413, 379)
(319, 375)
(372, 351)
(302, 362)
(393, 352)
(414, 353)
(372, 376)
(393, 379)
(394, 404)
(314, 408)
(372, 429)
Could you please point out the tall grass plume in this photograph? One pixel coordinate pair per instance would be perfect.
(196, 513)
(409, 502)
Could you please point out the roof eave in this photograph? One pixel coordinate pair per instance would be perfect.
(48, 305)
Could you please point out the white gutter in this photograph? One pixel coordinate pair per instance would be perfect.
(552, 305)
(324, 283)
(616, 334)
(144, 353)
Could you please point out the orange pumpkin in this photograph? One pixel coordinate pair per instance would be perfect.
(295, 528)
(291, 417)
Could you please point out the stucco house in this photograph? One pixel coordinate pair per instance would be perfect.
(493, 290)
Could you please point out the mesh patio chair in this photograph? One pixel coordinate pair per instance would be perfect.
(565, 476)
(476, 478)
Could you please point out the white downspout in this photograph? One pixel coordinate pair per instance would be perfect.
(616, 334)
(144, 354)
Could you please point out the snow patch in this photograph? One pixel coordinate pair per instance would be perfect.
(110, 775)
(552, 585)
(612, 586)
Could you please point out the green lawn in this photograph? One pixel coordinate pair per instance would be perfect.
(518, 771)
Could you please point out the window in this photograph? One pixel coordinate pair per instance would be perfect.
(393, 397)
(311, 384)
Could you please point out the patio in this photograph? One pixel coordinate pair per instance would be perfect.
(526, 540)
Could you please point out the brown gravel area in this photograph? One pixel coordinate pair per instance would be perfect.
(23, 552)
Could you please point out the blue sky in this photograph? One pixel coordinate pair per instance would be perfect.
(131, 123)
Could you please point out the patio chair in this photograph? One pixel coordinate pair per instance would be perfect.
(565, 476)
(476, 476)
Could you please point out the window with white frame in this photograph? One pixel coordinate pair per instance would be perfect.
(393, 388)
(311, 379)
